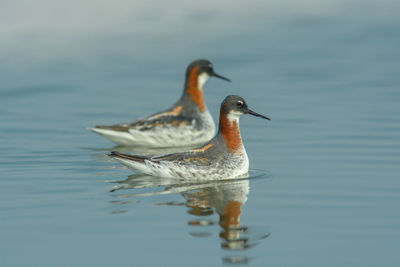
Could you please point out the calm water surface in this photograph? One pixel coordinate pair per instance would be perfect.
(324, 186)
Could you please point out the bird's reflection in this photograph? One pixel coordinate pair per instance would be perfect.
(225, 198)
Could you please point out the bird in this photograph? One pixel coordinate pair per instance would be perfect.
(223, 157)
(187, 123)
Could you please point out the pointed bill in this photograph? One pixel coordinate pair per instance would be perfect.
(219, 76)
(258, 115)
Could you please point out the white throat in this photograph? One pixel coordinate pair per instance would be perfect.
(233, 116)
(202, 79)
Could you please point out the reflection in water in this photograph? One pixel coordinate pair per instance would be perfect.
(225, 198)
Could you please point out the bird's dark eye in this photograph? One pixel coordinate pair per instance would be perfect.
(239, 103)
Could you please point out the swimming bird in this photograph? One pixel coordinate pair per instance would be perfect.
(188, 122)
(224, 156)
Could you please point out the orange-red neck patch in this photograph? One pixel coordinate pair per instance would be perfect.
(230, 131)
(195, 93)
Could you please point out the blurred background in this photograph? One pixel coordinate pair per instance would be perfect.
(324, 186)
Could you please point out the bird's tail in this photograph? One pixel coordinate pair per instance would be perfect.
(118, 155)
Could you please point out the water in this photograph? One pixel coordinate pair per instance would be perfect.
(324, 186)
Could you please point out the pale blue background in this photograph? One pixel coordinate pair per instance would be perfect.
(326, 72)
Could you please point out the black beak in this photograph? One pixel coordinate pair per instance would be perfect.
(258, 115)
(219, 76)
